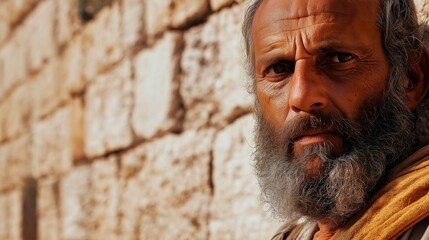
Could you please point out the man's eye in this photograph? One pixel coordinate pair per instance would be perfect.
(280, 68)
(341, 57)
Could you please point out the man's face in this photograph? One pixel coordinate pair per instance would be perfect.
(321, 56)
(327, 125)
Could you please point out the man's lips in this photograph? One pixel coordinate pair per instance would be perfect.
(316, 135)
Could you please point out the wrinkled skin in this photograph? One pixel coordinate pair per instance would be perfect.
(315, 58)
(323, 56)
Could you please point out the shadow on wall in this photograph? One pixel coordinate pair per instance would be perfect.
(89, 8)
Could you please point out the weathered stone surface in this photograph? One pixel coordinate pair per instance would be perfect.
(423, 10)
(15, 10)
(156, 107)
(75, 204)
(3, 119)
(3, 214)
(218, 4)
(13, 65)
(39, 27)
(57, 140)
(71, 67)
(132, 23)
(15, 157)
(4, 24)
(20, 111)
(128, 76)
(157, 17)
(213, 80)
(175, 190)
(48, 209)
(107, 112)
(67, 20)
(236, 212)
(101, 41)
(175, 13)
(128, 209)
(105, 197)
(11, 215)
(49, 90)
(184, 12)
(89, 198)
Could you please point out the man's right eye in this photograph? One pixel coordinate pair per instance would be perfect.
(280, 68)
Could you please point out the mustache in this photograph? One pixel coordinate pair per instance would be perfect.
(302, 125)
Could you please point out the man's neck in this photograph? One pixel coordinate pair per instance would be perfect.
(327, 229)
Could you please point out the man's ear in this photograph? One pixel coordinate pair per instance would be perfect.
(416, 83)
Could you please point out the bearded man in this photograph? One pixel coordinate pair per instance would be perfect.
(340, 95)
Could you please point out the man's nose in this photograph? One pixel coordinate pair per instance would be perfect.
(306, 90)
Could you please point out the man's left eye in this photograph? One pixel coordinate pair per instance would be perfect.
(341, 57)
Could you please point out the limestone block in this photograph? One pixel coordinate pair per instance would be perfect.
(57, 141)
(15, 214)
(4, 31)
(156, 107)
(235, 209)
(174, 188)
(161, 14)
(67, 20)
(107, 111)
(15, 157)
(101, 42)
(75, 204)
(71, 65)
(185, 12)
(39, 27)
(213, 80)
(105, 197)
(13, 65)
(132, 23)
(128, 209)
(4, 24)
(3, 118)
(157, 16)
(48, 211)
(16, 9)
(218, 4)
(422, 7)
(4, 230)
(49, 90)
(11, 215)
(131, 163)
(20, 110)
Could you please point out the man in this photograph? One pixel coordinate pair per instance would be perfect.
(340, 90)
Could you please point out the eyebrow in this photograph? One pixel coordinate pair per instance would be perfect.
(335, 46)
(327, 46)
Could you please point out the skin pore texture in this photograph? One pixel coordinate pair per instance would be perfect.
(322, 100)
(315, 58)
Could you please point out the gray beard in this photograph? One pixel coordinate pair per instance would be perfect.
(380, 137)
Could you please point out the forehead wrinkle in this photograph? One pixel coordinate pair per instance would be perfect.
(301, 8)
(295, 29)
(299, 23)
(281, 39)
(274, 46)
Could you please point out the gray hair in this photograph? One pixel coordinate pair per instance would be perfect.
(401, 32)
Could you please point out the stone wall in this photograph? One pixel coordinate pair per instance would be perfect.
(131, 122)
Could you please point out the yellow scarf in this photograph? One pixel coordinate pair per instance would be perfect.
(399, 205)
